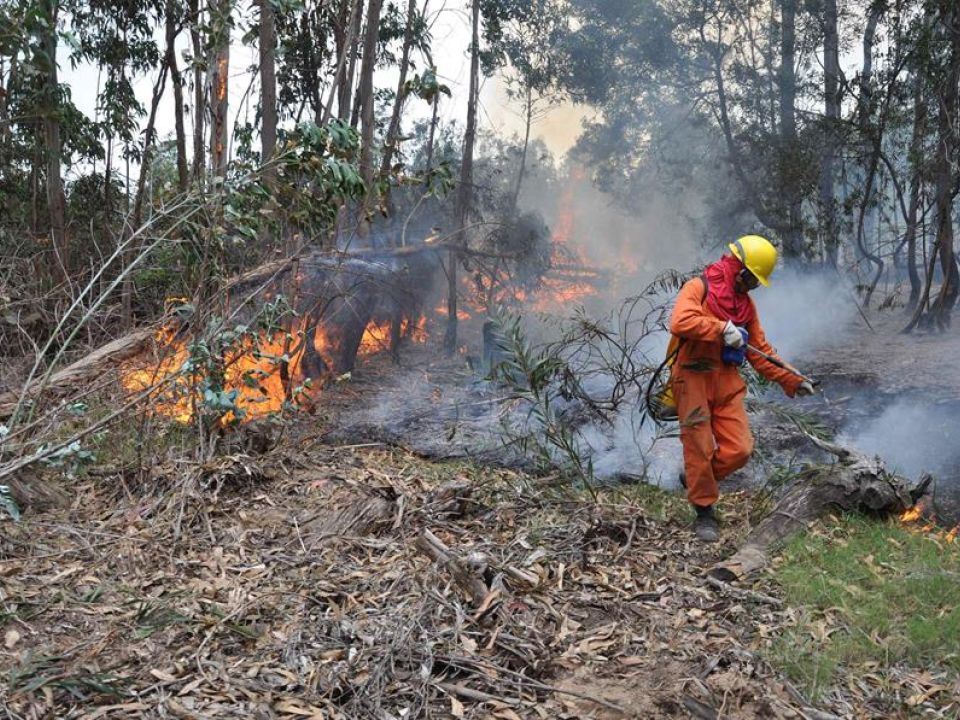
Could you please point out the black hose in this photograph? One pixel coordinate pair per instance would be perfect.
(648, 396)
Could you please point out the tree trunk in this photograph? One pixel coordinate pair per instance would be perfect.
(865, 101)
(136, 219)
(944, 175)
(431, 138)
(268, 82)
(872, 135)
(916, 182)
(831, 96)
(793, 237)
(5, 131)
(183, 173)
(219, 85)
(351, 107)
(392, 138)
(465, 190)
(342, 86)
(199, 94)
(367, 170)
(523, 152)
(56, 203)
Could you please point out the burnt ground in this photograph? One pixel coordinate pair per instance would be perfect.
(289, 584)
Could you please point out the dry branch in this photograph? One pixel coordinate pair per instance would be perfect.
(81, 373)
(465, 576)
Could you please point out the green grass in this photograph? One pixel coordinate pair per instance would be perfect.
(870, 595)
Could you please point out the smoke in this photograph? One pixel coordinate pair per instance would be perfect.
(912, 437)
(804, 313)
(631, 449)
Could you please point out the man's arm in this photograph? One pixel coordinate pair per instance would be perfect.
(689, 320)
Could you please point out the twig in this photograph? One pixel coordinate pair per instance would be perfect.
(477, 695)
(742, 593)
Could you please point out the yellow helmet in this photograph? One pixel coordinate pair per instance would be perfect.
(757, 254)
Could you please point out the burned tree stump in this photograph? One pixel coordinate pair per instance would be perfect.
(855, 483)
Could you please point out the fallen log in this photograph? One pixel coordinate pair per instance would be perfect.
(854, 483)
(83, 372)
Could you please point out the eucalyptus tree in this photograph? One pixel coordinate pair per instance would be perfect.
(523, 37)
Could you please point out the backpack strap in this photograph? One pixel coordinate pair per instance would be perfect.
(706, 287)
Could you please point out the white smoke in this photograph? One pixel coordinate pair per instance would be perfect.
(912, 437)
(804, 313)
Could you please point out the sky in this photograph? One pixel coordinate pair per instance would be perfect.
(451, 39)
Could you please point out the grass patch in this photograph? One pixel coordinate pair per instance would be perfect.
(870, 594)
(662, 505)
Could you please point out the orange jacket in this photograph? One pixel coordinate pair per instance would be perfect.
(703, 335)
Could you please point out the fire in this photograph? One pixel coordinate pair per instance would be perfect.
(260, 377)
(376, 337)
(912, 514)
(929, 527)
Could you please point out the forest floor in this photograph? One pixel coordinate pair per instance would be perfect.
(289, 583)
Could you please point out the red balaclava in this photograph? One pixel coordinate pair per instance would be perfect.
(722, 297)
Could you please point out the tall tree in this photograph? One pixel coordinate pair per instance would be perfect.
(793, 220)
(945, 172)
(367, 99)
(173, 25)
(199, 61)
(829, 235)
(268, 83)
(392, 138)
(916, 184)
(465, 189)
(56, 201)
(219, 73)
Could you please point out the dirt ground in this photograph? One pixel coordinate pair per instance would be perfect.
(880, 358)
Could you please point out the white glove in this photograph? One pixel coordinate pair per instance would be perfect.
(805, 388)
(732, 337)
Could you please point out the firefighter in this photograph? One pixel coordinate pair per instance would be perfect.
(715, 319)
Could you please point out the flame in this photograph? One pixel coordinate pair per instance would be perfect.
(929, 527)
(912, 514)
(265, 372)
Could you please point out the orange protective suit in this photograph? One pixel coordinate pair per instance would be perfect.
(714, 429)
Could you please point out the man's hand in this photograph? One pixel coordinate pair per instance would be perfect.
(805, 389)
(732, 336)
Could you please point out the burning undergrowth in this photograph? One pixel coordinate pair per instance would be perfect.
(544, 391)
(284, 332)
(287, 329)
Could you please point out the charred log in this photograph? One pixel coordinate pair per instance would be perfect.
(855, 483)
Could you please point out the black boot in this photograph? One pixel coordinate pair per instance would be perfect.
(706, 527)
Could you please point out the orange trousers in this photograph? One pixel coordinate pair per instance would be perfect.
(714, 429)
